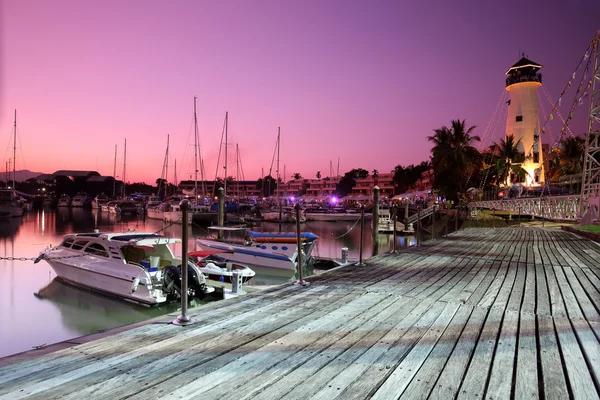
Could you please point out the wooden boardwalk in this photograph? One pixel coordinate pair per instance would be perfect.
(486, 313)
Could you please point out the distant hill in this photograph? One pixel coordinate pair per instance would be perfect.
(20, 176)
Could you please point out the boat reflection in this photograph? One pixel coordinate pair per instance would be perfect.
(87, 312)
(9, 227)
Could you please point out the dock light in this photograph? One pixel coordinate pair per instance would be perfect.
(334, 200)
(292, 198)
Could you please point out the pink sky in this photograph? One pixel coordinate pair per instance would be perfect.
(362, 81)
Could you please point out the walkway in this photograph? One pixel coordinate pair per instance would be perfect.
(494, 313)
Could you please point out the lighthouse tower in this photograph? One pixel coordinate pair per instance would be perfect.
(523, 120)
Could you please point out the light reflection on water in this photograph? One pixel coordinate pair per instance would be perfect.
(36, 309)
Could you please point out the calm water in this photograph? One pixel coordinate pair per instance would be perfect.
(36, 309)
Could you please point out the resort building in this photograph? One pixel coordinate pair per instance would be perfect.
(384, 181)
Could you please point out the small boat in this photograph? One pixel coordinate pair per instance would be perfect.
(99, 201)
(133, 266)
(218, 269)
(126, 207)
(385, 224)
(262, 249)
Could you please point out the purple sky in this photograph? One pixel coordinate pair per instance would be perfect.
(362, 81)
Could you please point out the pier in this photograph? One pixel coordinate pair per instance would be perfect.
(484, 313)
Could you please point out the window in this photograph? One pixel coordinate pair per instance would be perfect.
(96, 249)
(519, 118)
(67, 242)
(78, 245)
(536, 157)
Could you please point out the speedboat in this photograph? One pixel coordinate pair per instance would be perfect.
(64, 201)
(138, 267)
(219, 269)
(262, 249)
(385, 224)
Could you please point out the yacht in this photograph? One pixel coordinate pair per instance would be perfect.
(99, 200)
(133, 266)
(64, 201)
(262, 249)
(78, 200)
(10, 204)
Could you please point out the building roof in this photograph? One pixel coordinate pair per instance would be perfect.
(99, 178)
(76, 173)
(523, 63)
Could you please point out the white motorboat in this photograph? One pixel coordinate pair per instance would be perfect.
(218, 269)
(64, 201)
(134, 266)
(169, 211)
(125, 207)
(262, 249)
(78, 200)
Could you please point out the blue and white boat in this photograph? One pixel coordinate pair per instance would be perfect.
(262, 249)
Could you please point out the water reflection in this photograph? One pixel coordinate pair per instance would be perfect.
(61, 312)
(87, 312)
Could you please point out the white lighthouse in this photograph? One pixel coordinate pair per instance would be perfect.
(523, 120)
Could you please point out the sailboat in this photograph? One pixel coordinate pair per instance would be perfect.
(10, 202)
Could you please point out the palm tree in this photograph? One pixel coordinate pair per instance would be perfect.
(297, 175)
(509, 158)
(454, 157)
(318, 174)
(570, 153)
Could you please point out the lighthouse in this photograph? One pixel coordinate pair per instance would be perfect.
(523, 120)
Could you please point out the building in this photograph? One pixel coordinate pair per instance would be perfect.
(384, 181)
(523, 120)
(322, 188)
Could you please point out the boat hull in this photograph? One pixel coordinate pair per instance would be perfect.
(106, 279)
(249, 255)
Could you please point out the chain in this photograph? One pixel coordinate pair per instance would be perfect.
(335, 237)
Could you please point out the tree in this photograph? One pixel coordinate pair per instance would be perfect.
(267, 185)
(508, 161)
(453, 157)
(318, 174)
(348, 181)
(571, 152)
(297, 175)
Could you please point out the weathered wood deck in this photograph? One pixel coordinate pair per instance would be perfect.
(494, 313)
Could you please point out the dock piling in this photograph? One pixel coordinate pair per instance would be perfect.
(362, 231)
(184, 318)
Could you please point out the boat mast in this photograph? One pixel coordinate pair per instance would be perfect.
(195, 154)
(14, 153)
(124, 170)
(237, 170)
(225, 163)
(115, 173)
(175, 179)
(277, 183)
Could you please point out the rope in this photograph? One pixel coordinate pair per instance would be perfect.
(336, 237)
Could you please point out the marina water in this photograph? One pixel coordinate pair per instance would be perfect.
(38, 310)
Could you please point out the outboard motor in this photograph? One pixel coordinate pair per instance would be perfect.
(196, 282)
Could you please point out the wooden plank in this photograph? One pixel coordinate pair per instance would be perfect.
(580, 380)
(526, 386)
(167, 359)
(500, 382)
(542, 306)
(424, 381)
(399, 379)
(449, 381)
(382, 357)
(83, 373)
(553, 378)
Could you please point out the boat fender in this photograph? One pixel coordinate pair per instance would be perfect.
(135, 284)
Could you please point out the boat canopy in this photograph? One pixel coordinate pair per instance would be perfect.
(281, 237)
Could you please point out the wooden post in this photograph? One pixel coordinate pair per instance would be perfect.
(433, 223)
(221, 216)
(300, 280)
(456, 219)
(184, 318)
(375, 219)
(395, 219)
(362, 231)
(418, 224)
